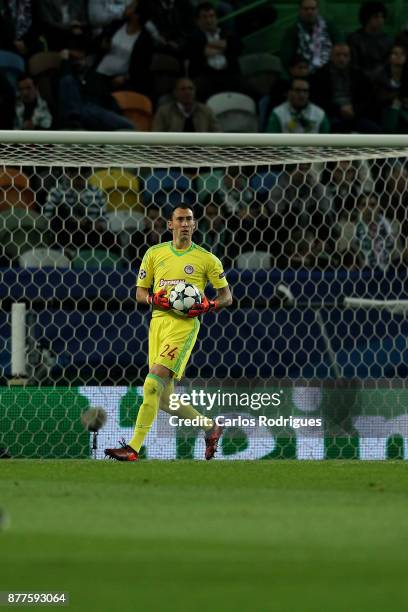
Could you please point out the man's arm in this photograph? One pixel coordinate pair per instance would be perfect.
(159, 299)
(142, 295)
(224, 297)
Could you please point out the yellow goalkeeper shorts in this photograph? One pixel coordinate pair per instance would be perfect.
(171, 340)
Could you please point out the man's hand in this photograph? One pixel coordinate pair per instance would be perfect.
(159, 299)
(206, 306)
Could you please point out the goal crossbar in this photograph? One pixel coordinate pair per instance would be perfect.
(164, 150)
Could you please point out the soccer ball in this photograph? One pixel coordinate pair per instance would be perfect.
(183, 296)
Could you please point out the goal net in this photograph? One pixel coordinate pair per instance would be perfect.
(323, 361)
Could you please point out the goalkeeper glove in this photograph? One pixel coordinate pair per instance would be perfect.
(206, 306)
(159, 299)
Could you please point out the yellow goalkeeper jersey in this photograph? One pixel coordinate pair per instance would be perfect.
(163, 266)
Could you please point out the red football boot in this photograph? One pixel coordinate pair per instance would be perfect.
(124, 453)
(211, 441)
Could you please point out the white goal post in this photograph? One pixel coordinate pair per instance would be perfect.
(325, 215)
(152, 149)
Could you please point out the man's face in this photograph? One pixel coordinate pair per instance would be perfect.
(376, 22)
(207, 21)
(131, 8)
(398, 56)
(28, 91)
(340, 56)
(299, 70)
(308, 12)
(185, 91)
(182, 224)
(298, 95)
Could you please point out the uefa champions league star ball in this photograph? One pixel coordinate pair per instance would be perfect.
(183, 296)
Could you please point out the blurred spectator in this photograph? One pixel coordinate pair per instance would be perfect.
(19, 28)
(60, 20)
(102, 13)
(370, 45)
(276, 96)
(344, 181)
(366, 237)
(74, 196)
(298, 193)
(235, 192)
(388, 79)
(184, 114)
(393, 186)
(154, 228)
(344, 92)
(169, 22)
(252, 230)
(85, 101)
(311, 247)
(298, 115)
(395, 117)
(311, 37)
(212, 229)
(213, 55)
(298, 68)
(32, 112)
(127, 50)
(376, 238)
(401, 38)
(7, 103)
(77, 214)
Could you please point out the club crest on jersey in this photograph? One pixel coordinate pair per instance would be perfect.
(142, 274)
(189, 269)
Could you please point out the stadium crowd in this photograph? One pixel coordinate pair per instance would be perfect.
(175, 65)
(63, 63)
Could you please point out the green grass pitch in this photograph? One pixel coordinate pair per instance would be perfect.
(266, 536)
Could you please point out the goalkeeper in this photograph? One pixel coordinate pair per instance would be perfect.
(172, 337)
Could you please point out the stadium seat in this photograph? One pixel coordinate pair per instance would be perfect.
(254, 260)
(121, 187)
(44, 68)
(12, 66)
(164, 186)
(137, 108)
(44, 257)
(235, 112)
(15, 190)
(259, 70)
(43, 62)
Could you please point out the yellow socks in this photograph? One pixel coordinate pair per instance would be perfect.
(182, 411)
(152, 390)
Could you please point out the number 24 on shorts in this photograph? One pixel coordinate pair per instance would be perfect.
(168, 352)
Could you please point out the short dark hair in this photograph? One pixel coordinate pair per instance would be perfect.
(182, 205)
(24, 76)
(370, 8)
(204, 7)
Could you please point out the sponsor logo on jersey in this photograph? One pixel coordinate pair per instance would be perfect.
(170, 281)
(222, 275)
(142, 274)
(189, 269)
